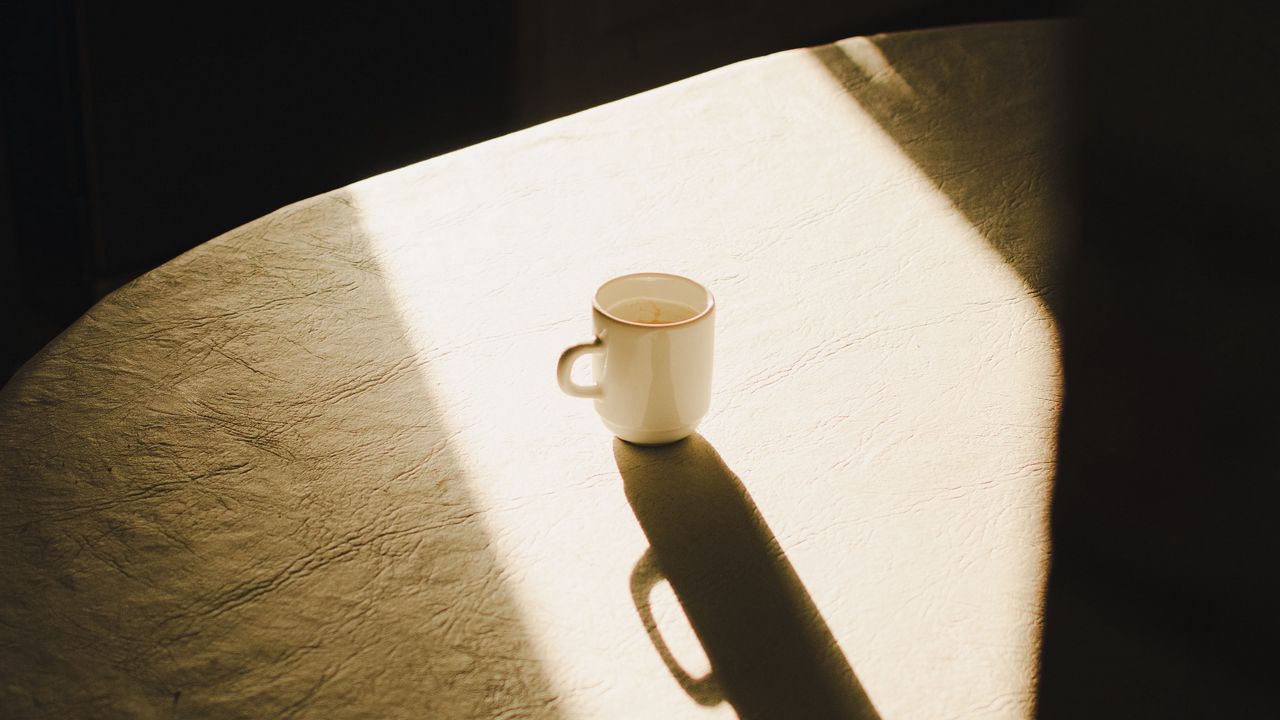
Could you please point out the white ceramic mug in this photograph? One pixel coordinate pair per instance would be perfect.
(652, 357)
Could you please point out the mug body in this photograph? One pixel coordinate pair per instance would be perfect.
(655, 370)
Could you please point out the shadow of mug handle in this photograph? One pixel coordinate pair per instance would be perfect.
(644, 577)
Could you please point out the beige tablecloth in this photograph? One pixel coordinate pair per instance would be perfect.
(319, 466)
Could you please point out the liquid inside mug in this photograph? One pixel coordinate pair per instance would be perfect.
(651, 357)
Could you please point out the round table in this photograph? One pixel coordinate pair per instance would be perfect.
(319, 466)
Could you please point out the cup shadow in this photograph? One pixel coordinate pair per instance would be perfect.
(770, 651)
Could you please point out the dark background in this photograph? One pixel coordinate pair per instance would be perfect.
(1162, 598)
(133, 131)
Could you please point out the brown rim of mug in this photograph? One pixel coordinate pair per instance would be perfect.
(711, 301)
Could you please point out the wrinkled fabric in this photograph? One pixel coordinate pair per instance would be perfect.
(319, 466)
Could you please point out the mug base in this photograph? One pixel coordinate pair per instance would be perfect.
(649, 437)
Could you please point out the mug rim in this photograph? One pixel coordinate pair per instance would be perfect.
(711, 300)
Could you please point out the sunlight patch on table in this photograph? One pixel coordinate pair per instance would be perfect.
(886, 386)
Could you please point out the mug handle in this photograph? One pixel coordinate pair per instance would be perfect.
(564, 369)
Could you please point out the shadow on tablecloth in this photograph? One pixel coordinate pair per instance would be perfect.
(771, 653)
(963, 103)
(230, 491)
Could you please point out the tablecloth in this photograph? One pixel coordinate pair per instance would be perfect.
(319, 466)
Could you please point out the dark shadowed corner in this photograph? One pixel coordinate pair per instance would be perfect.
(980, 99)
(1162, 595)
(1159, 600)
(228, 492)
(771, 653)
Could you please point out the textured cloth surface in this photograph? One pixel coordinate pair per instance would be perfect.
(319, 466)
